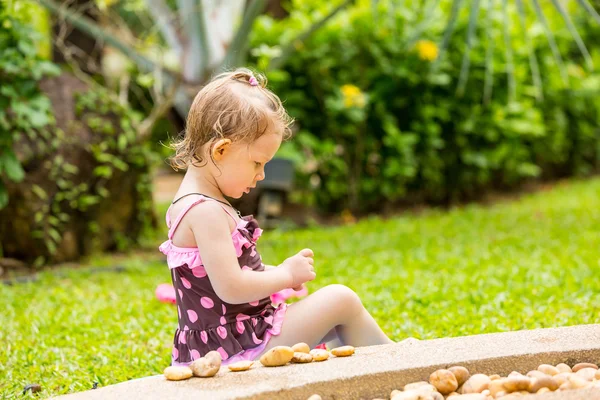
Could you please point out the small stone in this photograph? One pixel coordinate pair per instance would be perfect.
(343, 351)
(494, 377)
(301, 358)
(562, 367)
(240, 366)
(301, 348)
(579, 366)
(516, 383)
(587, 373)
(548, 369)
(562, 377)
(497, 386)
(538, 383)
(476, 384)
(207, 366)
(277, 356)
(461, 374)
(597, 376)
(543, 390)
(177, 373)
(315, 397)
(319, 354)
(577, 382)
(536, 374)
(444, 381)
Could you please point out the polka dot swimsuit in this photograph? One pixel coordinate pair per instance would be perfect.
(237, 331)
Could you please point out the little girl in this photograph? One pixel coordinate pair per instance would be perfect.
(234, 127)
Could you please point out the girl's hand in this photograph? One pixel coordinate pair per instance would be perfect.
(300, 267)
(299, 288)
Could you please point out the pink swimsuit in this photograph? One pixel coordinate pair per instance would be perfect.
(237, 331)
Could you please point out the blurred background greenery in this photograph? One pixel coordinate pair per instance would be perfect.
(395, 102)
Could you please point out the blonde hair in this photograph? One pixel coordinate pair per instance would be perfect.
(236, 105)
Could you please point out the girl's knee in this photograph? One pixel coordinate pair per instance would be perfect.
(345, 297)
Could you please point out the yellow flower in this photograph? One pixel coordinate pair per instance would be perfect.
(353, 97)
(427, 50)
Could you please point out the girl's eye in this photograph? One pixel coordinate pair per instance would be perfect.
(257, 163)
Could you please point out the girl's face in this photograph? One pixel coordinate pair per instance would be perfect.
(242, 165)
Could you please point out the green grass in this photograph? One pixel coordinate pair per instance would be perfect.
(529, 263)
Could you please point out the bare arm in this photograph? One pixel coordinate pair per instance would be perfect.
(213, 237)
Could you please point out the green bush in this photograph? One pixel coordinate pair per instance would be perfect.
(24, 109)
(378, 123)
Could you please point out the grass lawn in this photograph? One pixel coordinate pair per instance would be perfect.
(528, 263)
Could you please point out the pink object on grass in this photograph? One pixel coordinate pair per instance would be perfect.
(165, 292)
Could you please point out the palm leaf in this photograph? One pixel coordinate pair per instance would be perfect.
(466, 61)
(289, 49)
(182, 102)
(197, 54)
(424, 24)
(571, 27)
(236, 52)
(535, 71)
(551, 42)
(489, 56)
(448, 32)
(586, 5)
(510, 70)
(164, 18)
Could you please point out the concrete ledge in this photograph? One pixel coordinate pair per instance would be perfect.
(374, 371)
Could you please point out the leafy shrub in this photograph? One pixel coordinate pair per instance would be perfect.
(380, 121)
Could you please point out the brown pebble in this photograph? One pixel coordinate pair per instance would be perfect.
(543, 390)
(538, 383)
(548, 369)
(494, 377)
(597, 376)
(240, 366)
(475, 384)
(579, 366)
(343, 351)
(587, 373)
(177, 373)
(319, 354)
(516, 383)
(562, 367)
(302, 358)
(536, 374)
(562, 377)
(301, 348)
(497, 386)
(444, 381)
(461, 374)
(577, 382)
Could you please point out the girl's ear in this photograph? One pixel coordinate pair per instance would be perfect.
(219, 148)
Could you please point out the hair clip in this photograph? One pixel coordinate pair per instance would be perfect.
(252, 81)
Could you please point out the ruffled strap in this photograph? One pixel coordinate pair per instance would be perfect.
(245, 235)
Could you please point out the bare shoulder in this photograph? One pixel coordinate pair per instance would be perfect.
(209, 215)
(205, 220)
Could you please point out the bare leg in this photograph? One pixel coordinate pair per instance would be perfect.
(334, 307)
